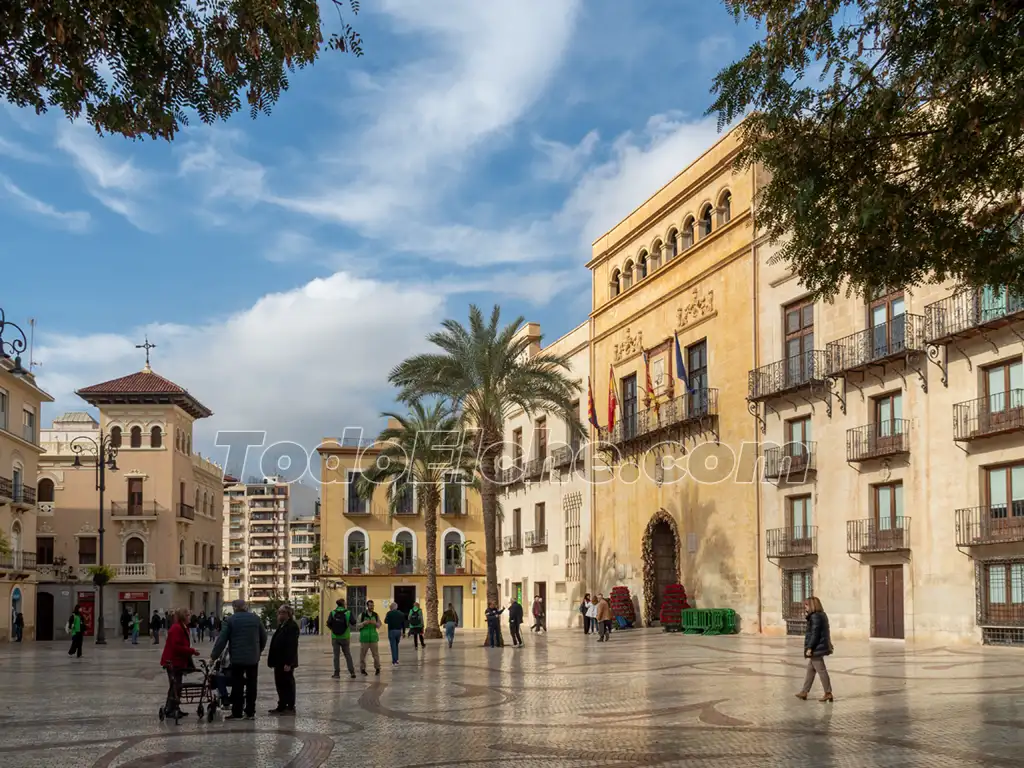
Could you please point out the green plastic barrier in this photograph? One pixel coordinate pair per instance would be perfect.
(708, 621)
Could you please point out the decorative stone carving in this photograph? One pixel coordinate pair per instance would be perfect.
(134, 528)
(43, 526)
(701, 305)
(87, 529)
(630, 346)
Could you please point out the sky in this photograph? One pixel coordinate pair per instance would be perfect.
(284, 266)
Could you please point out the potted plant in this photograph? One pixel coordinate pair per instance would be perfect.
(101, 574)
(391, 552)
(463, 557)
(356, 555)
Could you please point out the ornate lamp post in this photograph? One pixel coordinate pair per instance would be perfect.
(106, 458)
(12, 348)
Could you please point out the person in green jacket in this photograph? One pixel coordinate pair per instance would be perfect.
(369, 623)
(136, 626)
(415, 622)
(340, 640)
(76, 625)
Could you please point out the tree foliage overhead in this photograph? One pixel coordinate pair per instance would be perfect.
(162, 57)
(904, 161)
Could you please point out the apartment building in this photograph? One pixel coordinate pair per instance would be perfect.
(21, 400)
(257, 533)
(303, 537)
(545, 497)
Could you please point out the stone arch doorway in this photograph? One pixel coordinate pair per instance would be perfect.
(661, 556)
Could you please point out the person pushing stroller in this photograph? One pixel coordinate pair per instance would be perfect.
(177, 660)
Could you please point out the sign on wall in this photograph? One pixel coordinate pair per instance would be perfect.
(133, 596)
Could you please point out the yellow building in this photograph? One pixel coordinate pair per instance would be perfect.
(352, 531)
(667, 505)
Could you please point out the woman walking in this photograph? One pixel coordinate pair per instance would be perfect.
(177, 659)
(595, 628)
(450, 620)
(584, 611)
(416, 626)
(817, 645)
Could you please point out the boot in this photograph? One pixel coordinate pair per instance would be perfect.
(802, 695)
(827, 698)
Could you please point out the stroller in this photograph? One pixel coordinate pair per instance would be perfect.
(203, 694)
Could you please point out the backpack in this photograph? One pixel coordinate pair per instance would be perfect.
(337, 622)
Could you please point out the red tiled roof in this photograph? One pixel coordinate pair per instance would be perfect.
(136, 383)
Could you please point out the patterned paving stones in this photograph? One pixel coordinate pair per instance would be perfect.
(646, 698)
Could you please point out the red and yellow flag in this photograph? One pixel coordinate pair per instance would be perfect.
(591, 410)
(612, 399)
(652, 399)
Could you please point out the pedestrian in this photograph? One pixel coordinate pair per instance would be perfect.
(493, 616)
(340, 623)
(396, 622)
(538, 615)
(450, 620)
(155, 625)
(283, 658)
(215, 632)
(76, 628)
(245, 637)
(19, 627)
(126, 623)
(592, 615)
(584, 610)
(176, 659)
(369, 623)
(201, 626)
(136, 626)
(817, 645)
(193, 628)
(415, 620)
(515, 621)
(604, 618)
(316, 625)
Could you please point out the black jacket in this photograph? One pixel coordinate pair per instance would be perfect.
(515, 614)
(818, 639)
(284, 646)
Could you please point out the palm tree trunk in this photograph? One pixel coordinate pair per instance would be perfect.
(431, 616)
(489, 502)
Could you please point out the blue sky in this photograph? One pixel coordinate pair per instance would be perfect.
(284, 265)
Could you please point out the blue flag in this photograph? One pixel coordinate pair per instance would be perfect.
(680, 368)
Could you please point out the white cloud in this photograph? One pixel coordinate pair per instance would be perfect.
(73, 221)
(561, 162)
(16, 151)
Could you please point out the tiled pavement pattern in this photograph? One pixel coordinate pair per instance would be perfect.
(646, 698)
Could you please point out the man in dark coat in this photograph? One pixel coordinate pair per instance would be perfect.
(515, 621)
(283, 658)
(245, 637)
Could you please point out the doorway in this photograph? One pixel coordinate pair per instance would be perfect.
(664, 544)
(887, 601)
(44, 616)
(453, 596)
(405, 597)
(517, 592)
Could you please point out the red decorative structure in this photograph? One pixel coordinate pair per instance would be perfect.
(622, 605)
(671, 606)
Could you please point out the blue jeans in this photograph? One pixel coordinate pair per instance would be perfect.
(493, 635)
(135, 637)
(222, 684)
(449, 631)
(394, 635)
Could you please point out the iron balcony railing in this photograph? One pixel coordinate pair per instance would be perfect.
(140, 509)
(692, 407)
(18, 561)
(562, 456)
(6, 488)
(787, 375)
(903, 334)
(24, 494)
(452, 501)
(186, 512)
(791, 461)
(404, 506)
(404, 567)
(875, 441)
(970, 310)
(798, 541)
(993, 524)
(513, 543)
(987, 416)
(535, 539)
(452, 568)
(535, 468)
(357, 505)
(882, 535)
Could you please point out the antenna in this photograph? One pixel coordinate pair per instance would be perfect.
(32, 363)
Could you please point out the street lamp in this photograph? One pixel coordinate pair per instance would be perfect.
(106, 458)
(9, 347)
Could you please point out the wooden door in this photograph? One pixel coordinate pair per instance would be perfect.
(887, 601)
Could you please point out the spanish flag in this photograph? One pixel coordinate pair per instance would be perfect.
(612, 399)
(652, 399)
(591, 410)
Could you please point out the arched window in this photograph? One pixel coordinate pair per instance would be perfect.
(195, 504)
(615, 286)
(404, 539)
(627, 276)
(181, 552)
(16, 537)
(688, 233)
(206, 504)
(204, 556)
(641, 266)
(452, 552)
(136, 437)
(188, 444)
(673, 245)
(725, 208)
(156, 437)
(656, 256)
(356, 554)
(115, 437)
(705, 221)
(44, 490)
(177, 439)
(134, 551)
(195, 553)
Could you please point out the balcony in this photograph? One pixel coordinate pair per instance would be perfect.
(357, 507)
(513, 543)
(791, 462)
(18, 561)
(24, 495)
(800, 541)
(186, 512)
(868, 536)
(996, 524)
(409, 567)
(787, 375)
(996, 414)
(134, 571)
(146, 510)
(6, 488)
(692, 409)
(535, 539)
(878, 441)
(535, 468)
(874, 346)
(190, 572)
(456, 568)
(971, 311)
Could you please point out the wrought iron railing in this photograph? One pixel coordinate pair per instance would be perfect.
(791, 461)
(140, 509)
(562, 456)
(404, 567)
(787, 375)
(692, 407)
(970, 309)
(882, 535)
(903, 334)
(992, 415)
(357, 505)
(875, 441)
(992, 524)
(534, 539)
(18, 560)
(6, 488)
(535, 468)
(186, 512)
(24, 494)
(513, 543)
(452, 501)
(798, 541)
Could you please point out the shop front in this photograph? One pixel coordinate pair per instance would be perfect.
(135, 602)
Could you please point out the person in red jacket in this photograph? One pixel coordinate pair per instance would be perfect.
(177, 658)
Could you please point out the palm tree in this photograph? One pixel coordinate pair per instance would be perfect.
(410, 458)
(486, 372)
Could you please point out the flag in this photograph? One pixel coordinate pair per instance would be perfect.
(680, 368)
(591, 410)
(612, 400)
(652, 399)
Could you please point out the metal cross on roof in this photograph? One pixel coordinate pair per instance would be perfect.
(147, 346)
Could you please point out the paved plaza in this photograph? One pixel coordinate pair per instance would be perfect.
(646, 698)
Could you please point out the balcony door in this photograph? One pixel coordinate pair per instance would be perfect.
(697, 373)
(888, 423)
(798, 443)
(888, 528)
(888, 325)
(629, 407)
(1004, 396)
(999, 301)
(134, 495)
(799, 319)
(800, 523)
(1005, 502)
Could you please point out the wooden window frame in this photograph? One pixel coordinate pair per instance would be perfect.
(876, 507)
(1011, 509)
(793, 611)
(791, 501)
(517, 448)
(540, 432)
